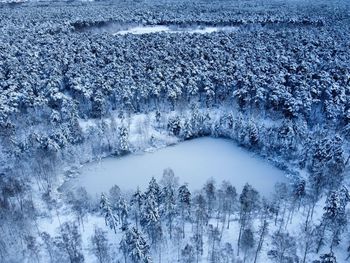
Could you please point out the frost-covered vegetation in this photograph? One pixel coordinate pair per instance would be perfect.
(72, 92)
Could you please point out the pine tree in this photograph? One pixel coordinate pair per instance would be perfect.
(283, 248)
(184, 204)
(328, 258)
(210, 194)
(80, 203)
(230, 199)
(123, 139)
(150, 217)
(168, 208)
(114, 195)
(70, 242)
(197, 240)
(174, 125)
(213, 242)
(253, 135)
(309, 237)
(188, 130)
(265, 214)
(249, 200)
(247, 242)
(134, 246)
(187, 254)
(227, 253)
(122, 210)
(298, 192)
(334, 217)
(154, 190)
(281, 197)
(136, 203)
(98, 105)
(110, 219)
(201, 216)
(99, 245)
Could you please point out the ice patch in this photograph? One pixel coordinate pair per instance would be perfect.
(192, 161)
(139, 30)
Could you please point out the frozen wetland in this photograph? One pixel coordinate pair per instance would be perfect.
(194, 162)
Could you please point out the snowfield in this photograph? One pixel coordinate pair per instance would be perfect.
(194, 162)
(139, 30)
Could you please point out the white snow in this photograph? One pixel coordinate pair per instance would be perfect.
(194, 162)
(139, 30)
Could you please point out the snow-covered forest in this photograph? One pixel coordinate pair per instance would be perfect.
(77, 85)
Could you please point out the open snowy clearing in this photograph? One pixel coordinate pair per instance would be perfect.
(194, 162)
(139, 30)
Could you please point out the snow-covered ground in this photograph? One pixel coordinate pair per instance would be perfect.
(52, 222)
(194, 162)
(138, 30)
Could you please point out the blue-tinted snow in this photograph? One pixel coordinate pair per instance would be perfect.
(194, 162)
(139, 30)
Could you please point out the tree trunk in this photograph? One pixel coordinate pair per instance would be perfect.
(319, 244)
(307, 218)
(239, 238)
(305, 252)
(261, 241)
(228, 220)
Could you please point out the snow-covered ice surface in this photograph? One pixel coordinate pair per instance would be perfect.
(139, 30)
(194, 162)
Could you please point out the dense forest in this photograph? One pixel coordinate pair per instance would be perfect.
(72, 91)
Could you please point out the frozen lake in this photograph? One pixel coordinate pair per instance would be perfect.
(139, 30)
(194, 162)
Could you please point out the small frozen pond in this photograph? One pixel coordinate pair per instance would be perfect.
(139, 30)
(194, 162)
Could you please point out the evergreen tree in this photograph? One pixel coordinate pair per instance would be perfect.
(247, 242)
(265, 214)
(122, 210)
(99, 245)
(150, 217)
(184, 204)
(134, 246)
(168, 207)
(213, 242)
(299, 192)
(187, 254)
(70, 242)
(253, 135)
(154, 190)
(188, 130)
(197, 240)
(123, 139)
(80, 203)
(174, 125)
(230, 199)
(334, 217)
(227, 254)
(114, 195)
(281, 197)
(328, 258)
(98, 105)
(136, 203)
(201, 217)
(249, 201)
(210, 194)
(110, 219)
(283, 248)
